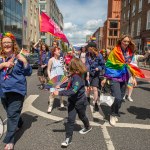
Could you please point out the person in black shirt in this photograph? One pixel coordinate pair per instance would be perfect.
(77, 99)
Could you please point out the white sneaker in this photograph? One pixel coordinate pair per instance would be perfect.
(112, 120)
(66, 142)
(84, 130)
(116, 118)
(130, 99)
(62, 105)
(49, 109)
(124, 97)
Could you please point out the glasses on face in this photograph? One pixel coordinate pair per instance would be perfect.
(8, 43)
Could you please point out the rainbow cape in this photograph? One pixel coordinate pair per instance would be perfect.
(116, 67)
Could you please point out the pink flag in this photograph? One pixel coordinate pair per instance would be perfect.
(48, 25)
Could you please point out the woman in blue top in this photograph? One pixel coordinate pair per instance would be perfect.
(44, 56)
(95, 64)
(13, 69)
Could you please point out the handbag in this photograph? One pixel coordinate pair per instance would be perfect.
(107, 99)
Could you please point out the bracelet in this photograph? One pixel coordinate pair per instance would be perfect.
(23, 55)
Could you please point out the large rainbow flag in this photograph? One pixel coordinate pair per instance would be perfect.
(116, 67)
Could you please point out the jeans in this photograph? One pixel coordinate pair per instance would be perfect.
(72, 111)
(118, 91)
(12, 103)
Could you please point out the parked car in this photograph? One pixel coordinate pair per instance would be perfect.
(33, 60)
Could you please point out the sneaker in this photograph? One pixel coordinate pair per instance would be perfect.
(116, 118)
(41, 87)
(112, 120)
(62, 105)
(84, 130)
(66, 142)
(130, 99)
(49, 110)
(125, 97)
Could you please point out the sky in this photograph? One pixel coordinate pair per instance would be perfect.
(82, 17)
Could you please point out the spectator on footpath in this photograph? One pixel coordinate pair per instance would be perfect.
(13, 69)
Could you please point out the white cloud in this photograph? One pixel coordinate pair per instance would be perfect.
(69, 26)
(82, 17)
(93, 24)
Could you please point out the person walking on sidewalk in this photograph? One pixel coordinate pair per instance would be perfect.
(118, 70)
(13, 69)
(77, 100)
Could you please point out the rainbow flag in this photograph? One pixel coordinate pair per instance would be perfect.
(148, 43)
(117, 68)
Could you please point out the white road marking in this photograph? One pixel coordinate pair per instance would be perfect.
(29, 108)
(107, 138)
(96, 114)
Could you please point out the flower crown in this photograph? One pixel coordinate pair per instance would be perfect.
(103, 51)
(7, 34)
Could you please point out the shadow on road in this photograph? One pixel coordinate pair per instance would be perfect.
(141, 113)
(142, 82)
(144, 88)
(76, 128)
(28, 120)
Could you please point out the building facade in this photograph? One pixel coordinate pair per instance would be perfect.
(30, 22)
(99, 38)
(11, 18)
(51, 9)
(135, 21)
(112, 24)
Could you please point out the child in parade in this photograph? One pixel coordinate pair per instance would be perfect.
(132, 80)
(13, 69)
(77, 99)
(54, 68)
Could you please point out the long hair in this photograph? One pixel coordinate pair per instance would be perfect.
(131, 45)
(43, 44)
(15, 48)
(77, 66)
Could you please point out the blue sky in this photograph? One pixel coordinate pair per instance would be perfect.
(82, 17)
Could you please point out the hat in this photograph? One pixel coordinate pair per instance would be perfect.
(91, 44)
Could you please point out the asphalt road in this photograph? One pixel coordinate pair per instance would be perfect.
(42, 131)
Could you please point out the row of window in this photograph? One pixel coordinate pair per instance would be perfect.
(134, 6)
(139, 25)
(148, 19)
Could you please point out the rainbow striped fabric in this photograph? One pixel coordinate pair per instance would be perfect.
(118, 69)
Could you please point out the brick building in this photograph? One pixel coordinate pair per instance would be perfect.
(111, 31)
(99, 37)
(135, 20)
